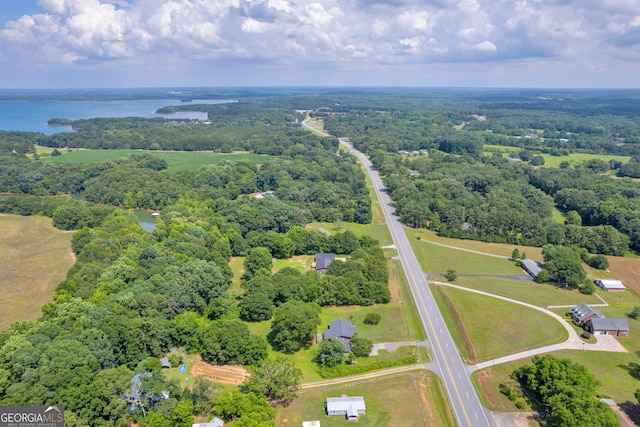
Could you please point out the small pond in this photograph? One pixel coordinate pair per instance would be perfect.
(145, 219)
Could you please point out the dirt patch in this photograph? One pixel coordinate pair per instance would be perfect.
(227, 374)
(483, 381)
(627, 270)
(466, 339)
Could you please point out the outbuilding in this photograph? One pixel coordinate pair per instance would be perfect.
(164, 362)
(350, 407)
(610, 285)
(531, 267)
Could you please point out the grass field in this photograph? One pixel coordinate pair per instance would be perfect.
(554, 161)
(177, 160)
(502, 249)
(35, 257)
(410, 399)
(495, 327)
(530, 292)
(438, 259)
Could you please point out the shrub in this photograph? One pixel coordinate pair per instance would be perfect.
(599, 262)
(543, 276)
(372, 319)
(175, 360)
(344, 370)
(635, 312)
(451, 275)
(587, 287)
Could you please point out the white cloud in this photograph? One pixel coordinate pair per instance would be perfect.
(485, 46)
(355, 32)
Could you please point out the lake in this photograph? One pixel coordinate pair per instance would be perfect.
(32, 116)
(145, 219)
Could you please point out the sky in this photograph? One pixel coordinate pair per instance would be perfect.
(432, 43)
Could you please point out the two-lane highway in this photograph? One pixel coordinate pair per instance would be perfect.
(462, 395)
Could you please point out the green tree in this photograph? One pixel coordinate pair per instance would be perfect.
(295, 324)
(258, 258)
(360, 346)
(183, 414)
(573, 218)
(202, 394)
(372, 319)
(565, 263)
(635, 312)
(330, 354)
(451, 275)
(599, 262)
(276, 379)
(543, 276)
(229, 341)
(515, 254)
(567, 390)
(256, 307)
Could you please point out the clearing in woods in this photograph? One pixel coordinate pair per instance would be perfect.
(226, 374)
(35, 257)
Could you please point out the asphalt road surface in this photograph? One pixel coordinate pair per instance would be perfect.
(463, 397)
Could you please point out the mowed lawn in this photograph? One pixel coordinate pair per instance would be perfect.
(35, 258)
(408, 400)
(540, 294)
(437, 259)
(485, 328)
(177, 160)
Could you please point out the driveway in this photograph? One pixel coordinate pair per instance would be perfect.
(574, 342)
(392, 346)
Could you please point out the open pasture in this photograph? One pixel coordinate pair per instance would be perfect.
(177, 160)
(35, 257)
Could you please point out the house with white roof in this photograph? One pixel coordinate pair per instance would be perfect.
(350, 407)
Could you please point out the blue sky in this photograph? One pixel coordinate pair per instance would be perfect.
(477, 43)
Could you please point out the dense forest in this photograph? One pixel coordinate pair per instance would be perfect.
(495, 200)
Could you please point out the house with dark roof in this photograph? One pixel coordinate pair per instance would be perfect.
(531, 267)
(343, 330)
(321, 262)
(350, 407)
(605, 326)
(582, 313)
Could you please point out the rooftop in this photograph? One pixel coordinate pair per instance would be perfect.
(340, 328)
(606, 324)
(323, 260)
